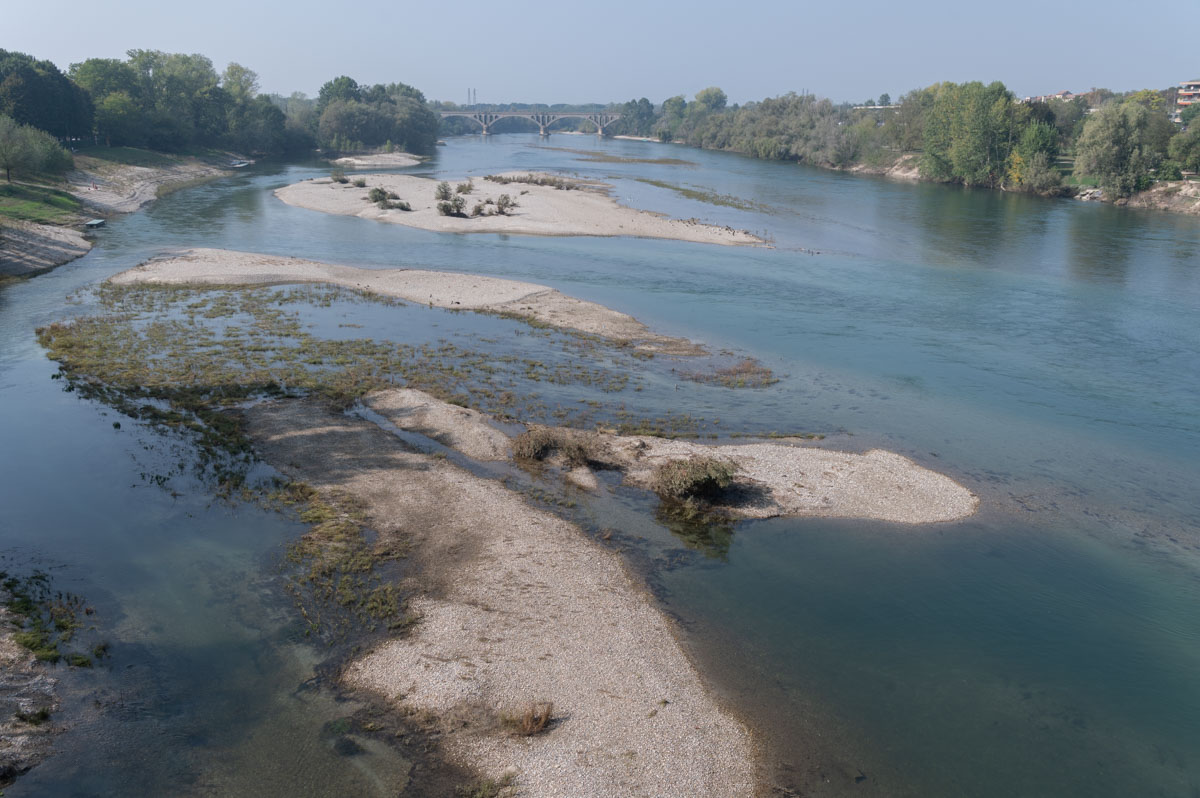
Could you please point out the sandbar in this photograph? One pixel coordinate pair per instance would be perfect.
(378, 159)
(517, 605)
(537, 303)
(587, 210)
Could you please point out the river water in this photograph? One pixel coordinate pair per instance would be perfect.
(1046, 353)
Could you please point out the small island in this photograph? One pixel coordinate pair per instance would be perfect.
(536, 204)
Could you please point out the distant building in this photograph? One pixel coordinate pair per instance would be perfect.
(1062, 95)
(1189, 92)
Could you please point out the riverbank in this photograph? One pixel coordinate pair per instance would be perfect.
(27, 699)
(535, 303)
(585, 209)
(27, 249)
(122, 180)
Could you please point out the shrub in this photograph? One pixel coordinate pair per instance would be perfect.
(360, 182)
(377, 195)
(338, 176)
(578, 449)
(478, 209)
(465, 188)
(694, 478)
(533, 719)
(452, 207)
(504, 204)
(443, 192)
(1169, 170)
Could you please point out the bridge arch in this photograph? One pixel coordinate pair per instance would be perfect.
(543, 119)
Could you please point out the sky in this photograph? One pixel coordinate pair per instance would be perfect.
(612, 51)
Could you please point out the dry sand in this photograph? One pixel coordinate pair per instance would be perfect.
(27, 248)
(516, 606)
(442, 289)
(792, 479)
(542, 210)
(785, 477)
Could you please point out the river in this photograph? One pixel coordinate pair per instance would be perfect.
(1046, 353)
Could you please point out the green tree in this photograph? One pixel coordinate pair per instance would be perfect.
(119, 120)
(1113, 148)
(240, 82)
(885, 99)
(711, 99)
(969, 133)
(1185, 149)
(16, 147)
(340, 88)
(1189, 113)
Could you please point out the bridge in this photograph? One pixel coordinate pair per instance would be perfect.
(601, 119)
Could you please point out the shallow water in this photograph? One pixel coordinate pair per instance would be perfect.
(1047, 353)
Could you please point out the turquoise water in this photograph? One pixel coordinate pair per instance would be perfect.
(1046, 353)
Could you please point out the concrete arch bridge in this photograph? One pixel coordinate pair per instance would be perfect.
(542, 119)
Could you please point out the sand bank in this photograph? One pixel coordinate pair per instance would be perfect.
(786, 477)
(27, 248)
(541, 210)
(517, 605)
(123, 188)
(377, 160)
(442, 289)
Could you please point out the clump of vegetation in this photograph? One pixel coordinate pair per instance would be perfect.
(504, 204)
(360, 182)
(534, 180)
(48, 620)
(443, 192)
(387, 200)
(694, 478)
(532, 719)
(486, 788)
(452, 207)
(710, 197)
(35, 718)
(338, 585)
(746, 373)
(338, 176)
(577, 448)
(465, 188)
(41, 204)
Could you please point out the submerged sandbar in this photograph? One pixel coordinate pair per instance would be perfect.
(537, 303)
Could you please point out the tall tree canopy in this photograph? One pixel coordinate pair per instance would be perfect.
(36, 93)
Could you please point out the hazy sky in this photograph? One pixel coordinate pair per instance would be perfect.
(535, 51)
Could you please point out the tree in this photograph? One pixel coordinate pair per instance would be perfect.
(885, 99)
(711, 99)
(1189, 113)
(241, 83)
(969, 134)
(340, 88)
(119, 120)
(16, 148)
(1185, 149)
(1113, 147)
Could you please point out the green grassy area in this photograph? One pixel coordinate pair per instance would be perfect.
(42, 204)
(127, 156)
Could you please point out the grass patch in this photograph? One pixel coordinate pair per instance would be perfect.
(337, 579)
(576, 447)
(485, 788)
(694, 478)
(534, 180)
(41, 204)
(533, 718)
(125, 156)
(711, 197)
(47, 621)
(746, 373)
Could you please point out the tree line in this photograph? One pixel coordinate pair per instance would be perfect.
(176, 102)
(973, 133)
